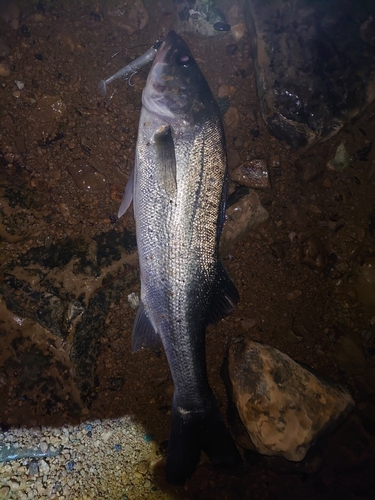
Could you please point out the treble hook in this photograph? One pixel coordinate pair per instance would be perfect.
(130, 77)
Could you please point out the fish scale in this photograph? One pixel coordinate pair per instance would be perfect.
(179, 189)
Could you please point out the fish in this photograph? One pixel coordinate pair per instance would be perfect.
(179, 187)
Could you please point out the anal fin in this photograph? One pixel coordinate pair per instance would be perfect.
(144, 335)
(224, 297)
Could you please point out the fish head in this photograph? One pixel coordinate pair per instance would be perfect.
(176, 90)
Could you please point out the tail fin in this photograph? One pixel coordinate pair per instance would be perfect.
(193, 431)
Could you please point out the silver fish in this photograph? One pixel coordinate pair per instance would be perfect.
(178, 188)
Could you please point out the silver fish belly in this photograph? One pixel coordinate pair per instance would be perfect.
(179, 190)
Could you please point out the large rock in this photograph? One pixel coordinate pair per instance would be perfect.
(314, 65)
(244, 214)
(283, 406)
(54, 302)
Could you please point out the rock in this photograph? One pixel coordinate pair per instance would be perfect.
(310, 168)
(238, 31)
(5, 69)
(313, 254)
(312, 57)
(253, 174)
(226, 91)
(49, 293)
(43, 467)
(33, 468)
(48, 108)
(4, 48)
(366, 285)
(232, 118)
(341, 159)
(200, 16)
(283, 406)
(10, 13)
(234, 159)
(130, 16)
(350, 357)
(86, 176)
(243, 216)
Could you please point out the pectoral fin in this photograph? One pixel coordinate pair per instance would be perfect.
(165, 154)
(128, 195)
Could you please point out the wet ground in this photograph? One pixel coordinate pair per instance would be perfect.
(322, 314)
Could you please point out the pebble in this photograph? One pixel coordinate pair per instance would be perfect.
(43, 467)
(4, 491)
(48, 108)
(252, 174)
(86, 176)
(4, 48)
(313, 254)
(226, 91)
(5, 69)
(309, 168)
(143, 467)
(292, 338)
(33, 468)
(238, 31)
(294, 295)
(232, 118)
(43, 447)
(341, 159)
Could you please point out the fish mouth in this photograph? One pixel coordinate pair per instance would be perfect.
(170, 41)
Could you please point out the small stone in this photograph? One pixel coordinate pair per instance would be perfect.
(238, 31)
(234, 159)
(310, 168)
(4, 492)
(326, 183)
(231, 49)
(106, 435)
(143, 467)
(86, 176)
(366, 284)
(253, 174)
(245, 215)
(14, 484)
(226, 91)
(64, 210)
(20, 85)
(43, 467)
(341, 159)
(5, 69)
(48, 108)
(232, 118)
(292, 338)
(314, 210)
(69, 466)
(4, 48)
(274, 161)
(294, 295)
(33, 468)
(313, 254)
(43, 447)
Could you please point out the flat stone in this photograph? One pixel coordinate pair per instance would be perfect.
(283, 406)
(253, 174)
(244, 215)
(313, 254)
(310, 168)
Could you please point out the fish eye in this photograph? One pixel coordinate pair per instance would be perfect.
(183, 60)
